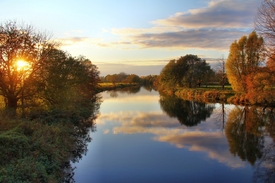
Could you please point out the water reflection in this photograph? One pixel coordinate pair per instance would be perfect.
(153, 124)
(244, 133)
(265, 167)
(193, 135)
(189, 113)
(129, 90)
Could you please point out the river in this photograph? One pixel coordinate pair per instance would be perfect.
(144, 137)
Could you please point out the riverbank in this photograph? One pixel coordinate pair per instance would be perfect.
(42, 146)
(206, 94)
(110, 86)
(217, 95)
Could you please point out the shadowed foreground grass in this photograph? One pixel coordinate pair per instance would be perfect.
(41, 148)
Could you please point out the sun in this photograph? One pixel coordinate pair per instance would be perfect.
(22, 64)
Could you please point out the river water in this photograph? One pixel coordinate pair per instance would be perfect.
(144, 137)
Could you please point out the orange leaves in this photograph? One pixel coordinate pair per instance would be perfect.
(244, 58)
(260, 86)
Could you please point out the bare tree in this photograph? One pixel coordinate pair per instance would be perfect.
(265, 22)
(220, 74)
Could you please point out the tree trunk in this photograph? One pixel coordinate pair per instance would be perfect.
(12, 102)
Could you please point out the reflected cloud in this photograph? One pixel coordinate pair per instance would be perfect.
(169, 130)
(106, 131)
(212, 143)
(138, 119)
(126, 99)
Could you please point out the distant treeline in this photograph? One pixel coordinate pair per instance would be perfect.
(128, 78)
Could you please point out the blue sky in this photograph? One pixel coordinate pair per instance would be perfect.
(138, 36)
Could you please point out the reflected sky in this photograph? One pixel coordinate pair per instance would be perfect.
(136, 141)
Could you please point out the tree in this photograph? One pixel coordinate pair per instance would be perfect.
(132, 78)
(245, 56)
(260, 86)
(194, 73)
(64, 79)
(19, 42)
(90, 75)
(121, 76)
(271, 63)
(188, 71)
(265, 25)
(265, 22)
(168, 75)
(220, 75)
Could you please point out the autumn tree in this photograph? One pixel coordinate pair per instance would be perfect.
(149, 82)
(132, 78)
(261, 86)
(20, 42)
(245, 56)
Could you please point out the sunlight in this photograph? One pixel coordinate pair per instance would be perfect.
(22, 65)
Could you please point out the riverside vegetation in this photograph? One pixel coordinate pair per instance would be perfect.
(252, 80)
(49, 100)
(250, 68)
(48, 108)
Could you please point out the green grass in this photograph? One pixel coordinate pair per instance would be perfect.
(111, 86)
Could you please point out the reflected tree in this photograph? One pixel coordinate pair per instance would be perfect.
(265, 167)
(129, 90)
(189, 113)
(113, 94)
(221, 116)
(244, 133)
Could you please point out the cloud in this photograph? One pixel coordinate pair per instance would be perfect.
(137, 31)
(104, 30)
(219, 13)
(202, 39)
(69, 41)
(139, 67)
(215, 27)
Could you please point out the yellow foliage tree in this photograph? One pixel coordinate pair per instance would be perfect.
(244, 57)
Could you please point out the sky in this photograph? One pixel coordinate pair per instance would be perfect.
(138, 36)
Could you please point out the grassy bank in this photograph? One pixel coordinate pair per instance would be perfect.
(215, 94)
(41, 147)
(112, 86)
(204, 94)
